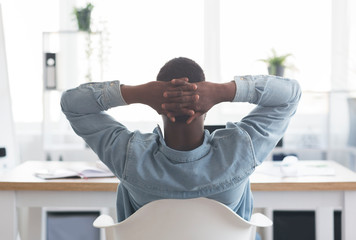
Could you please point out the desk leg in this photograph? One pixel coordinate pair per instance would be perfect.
(268, 232)
(324, 221)
(8, 219)
(30, 219)
(349, 216)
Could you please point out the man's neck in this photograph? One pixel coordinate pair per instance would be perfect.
(184, 137)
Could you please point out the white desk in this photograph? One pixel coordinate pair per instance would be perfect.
(324, 194)
(20, 188)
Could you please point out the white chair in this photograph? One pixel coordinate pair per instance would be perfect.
(188, 219)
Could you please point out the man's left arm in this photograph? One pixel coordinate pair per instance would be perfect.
(276, 102)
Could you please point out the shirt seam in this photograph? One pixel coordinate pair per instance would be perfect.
(128, 156)
(211, 189)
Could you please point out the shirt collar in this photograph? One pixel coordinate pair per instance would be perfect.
(183, 156)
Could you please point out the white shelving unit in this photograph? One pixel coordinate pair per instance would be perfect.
(70, 59)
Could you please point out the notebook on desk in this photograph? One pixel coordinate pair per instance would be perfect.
(75, 171)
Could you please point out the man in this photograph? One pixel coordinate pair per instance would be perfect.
(184, 161)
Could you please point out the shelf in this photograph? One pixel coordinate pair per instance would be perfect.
(70, 59)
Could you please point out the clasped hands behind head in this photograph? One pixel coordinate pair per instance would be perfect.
(181, 100)
(184, 101)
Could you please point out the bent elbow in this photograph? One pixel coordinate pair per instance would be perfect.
(297, 92)
(64, 102)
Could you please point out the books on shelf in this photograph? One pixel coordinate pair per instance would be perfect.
(97, 170)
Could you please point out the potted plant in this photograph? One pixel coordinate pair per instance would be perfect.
(83, 17)
(276, 64)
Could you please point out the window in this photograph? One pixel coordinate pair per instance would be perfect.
(143, 35)
(24, 22)
(250, 29)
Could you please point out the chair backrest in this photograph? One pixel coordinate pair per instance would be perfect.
(188, 219)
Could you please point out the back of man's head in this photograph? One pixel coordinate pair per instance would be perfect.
(179, 68)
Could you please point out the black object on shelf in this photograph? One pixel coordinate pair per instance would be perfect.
(212, 128)
(280, 143)
(50, 71)
(2, 152)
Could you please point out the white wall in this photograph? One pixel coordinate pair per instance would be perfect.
(7, 136)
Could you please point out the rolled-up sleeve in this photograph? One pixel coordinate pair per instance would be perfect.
(84, 107)
(276, 99)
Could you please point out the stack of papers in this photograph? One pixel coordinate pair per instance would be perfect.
(296, 169)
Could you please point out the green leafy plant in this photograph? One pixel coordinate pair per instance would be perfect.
(276, 63)
(83, 16)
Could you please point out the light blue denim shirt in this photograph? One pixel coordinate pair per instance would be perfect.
(218, 169)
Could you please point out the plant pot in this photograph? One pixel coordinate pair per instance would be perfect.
(83, 19)
(276, 70)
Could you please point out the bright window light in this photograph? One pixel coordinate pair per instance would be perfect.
(250, 29)
(143, 35)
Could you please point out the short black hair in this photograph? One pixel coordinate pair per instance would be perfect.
(179, 68)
